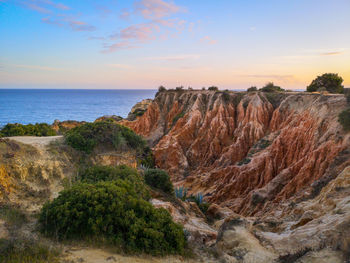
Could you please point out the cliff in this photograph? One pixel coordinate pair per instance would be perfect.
(274, 166)
(246, 151)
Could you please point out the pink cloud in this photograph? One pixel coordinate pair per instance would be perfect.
(81, 26)
(42, 6)
(208, 40)
(156, 13)
(48, 20)
(117, 46)
(141, 32)
(155, 9)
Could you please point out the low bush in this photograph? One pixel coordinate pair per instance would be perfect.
(87, 136)
(38, 129)
(100, 173)
(344, 119)
(252, 89)
(159, 179)
(330, 82)
(270, 87)
(213, 88)
(161, 88)
(181, 88)
(112, 210)
(13, 216)
(27, 251)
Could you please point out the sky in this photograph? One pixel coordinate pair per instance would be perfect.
(141, 44)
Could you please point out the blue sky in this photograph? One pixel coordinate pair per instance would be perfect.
(145, 43)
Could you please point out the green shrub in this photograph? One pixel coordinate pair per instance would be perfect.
(87, 136)
(99, 173)
(213, 88)
(112, 210)
(27, 251)
(270, 87)
(159, 179)
(252, 89)
(330, 81)
(12, 216)
(161, 88)
(38, 129)
(181, 88)
(344, 119)
(226, 96)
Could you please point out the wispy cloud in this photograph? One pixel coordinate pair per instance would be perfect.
(156, 14)
(332, 53)
(37, 67)
(278, 77)
(156, 9)
(208, 40)
(108, 48)
(80, 26)
(43, 6)
(316, 53)
(96, 38)
(55, 14)
(70, 22)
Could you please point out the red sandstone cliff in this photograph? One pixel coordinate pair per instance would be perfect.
(247, 151)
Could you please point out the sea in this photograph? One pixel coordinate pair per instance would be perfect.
(47, 105)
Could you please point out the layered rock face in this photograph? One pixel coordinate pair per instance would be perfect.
(35, 169)
(246, 151)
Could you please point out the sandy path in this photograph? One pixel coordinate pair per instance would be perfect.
(40, 142)
(90, 255)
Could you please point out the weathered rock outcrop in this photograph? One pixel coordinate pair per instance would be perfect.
(244, 150)
(35, 169)
(279, 158)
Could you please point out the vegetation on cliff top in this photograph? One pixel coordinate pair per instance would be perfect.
(108, 135)
(114, 211)
(271, 87)
(330, 81)
(38, 129)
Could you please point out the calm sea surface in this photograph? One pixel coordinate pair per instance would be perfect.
(31, 106)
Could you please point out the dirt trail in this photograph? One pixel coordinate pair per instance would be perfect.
(90, 255)
(40, 142)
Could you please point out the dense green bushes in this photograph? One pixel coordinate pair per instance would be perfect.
(329, 81)
(99, 173)
(252, 89)
(213, 88)
(270, 87)
(114, 211)
(159, 179)
(87, 136)
(38, 129)
(344, 119)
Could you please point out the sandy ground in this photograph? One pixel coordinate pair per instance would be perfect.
(90, 255)
(40, 142)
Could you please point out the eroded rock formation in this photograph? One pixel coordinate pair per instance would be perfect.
(244, 150)
(275, 166)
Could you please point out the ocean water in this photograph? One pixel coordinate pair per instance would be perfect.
(43, 105)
